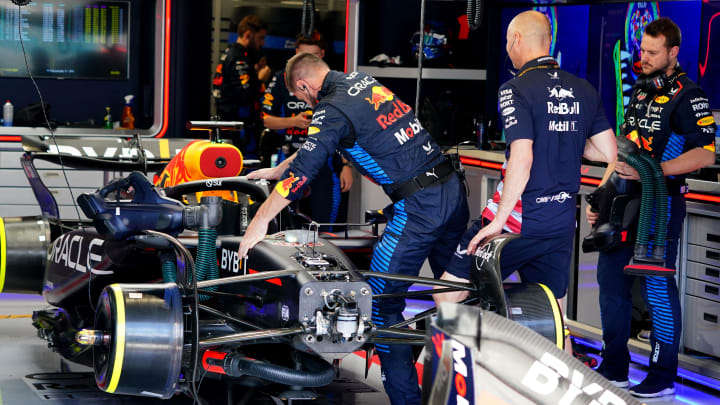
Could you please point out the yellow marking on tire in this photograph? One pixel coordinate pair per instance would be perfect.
(557, 315)
(119, 339)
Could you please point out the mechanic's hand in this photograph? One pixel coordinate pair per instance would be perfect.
(591, 215)
(302, 120)
(346, 179)
(255, 233)
(268, 173)
(488, 231)
(455, 296)
(264, 74)
(625, 171)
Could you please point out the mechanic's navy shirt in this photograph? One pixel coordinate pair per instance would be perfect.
(370, 126)
(558, 112)
(671, 121)
(280, 102)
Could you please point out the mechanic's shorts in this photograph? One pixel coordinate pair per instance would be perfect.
(544, 261)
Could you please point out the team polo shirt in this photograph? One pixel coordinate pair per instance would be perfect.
(558, 112)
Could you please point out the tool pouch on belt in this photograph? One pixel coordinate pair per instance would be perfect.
(437, 174)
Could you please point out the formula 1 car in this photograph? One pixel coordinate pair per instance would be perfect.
(150, 297)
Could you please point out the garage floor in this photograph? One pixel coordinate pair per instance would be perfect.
(31, 374)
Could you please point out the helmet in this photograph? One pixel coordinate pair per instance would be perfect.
(435, 44)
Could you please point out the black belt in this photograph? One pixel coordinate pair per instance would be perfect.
(439, 173)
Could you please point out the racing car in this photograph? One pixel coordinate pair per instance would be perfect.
(148, 295)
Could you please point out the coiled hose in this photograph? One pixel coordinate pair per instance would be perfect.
(647, 202)
(317, 373)
(169, 271)
(661, 207)
(206, 258)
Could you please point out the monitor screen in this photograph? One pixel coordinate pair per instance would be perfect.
(709, 57)
(67, 39)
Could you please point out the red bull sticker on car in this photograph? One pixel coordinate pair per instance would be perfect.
(380, 94)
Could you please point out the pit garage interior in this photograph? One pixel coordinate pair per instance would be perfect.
(85, 56)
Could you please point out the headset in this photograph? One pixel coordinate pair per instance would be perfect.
(657, 81)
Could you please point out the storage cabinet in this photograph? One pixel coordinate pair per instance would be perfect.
(702, 285)
(17, 198)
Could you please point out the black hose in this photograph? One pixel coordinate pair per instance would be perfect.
(308, 13)
(474, 14)
(317, 373)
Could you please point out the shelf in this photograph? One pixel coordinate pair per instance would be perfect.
(427, 73)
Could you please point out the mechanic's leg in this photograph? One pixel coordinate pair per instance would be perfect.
(542, 261)
(663, 303)
(450, 234)
(401, 250)
(615, 312)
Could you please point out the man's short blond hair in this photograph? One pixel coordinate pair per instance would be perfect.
(302, 66)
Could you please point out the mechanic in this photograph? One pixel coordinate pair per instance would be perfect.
(238, 82)
(668, 116)
(284, 112)
(551, 120)
(380, 134)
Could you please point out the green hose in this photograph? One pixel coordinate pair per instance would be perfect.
(661, 207)
(206, 266)
(168, 268)
(647, 202)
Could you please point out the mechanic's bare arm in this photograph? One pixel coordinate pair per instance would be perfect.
(258, 226)
(299, 121)
(272, 173)
(601, 147)
(689, 161)
(516, 178)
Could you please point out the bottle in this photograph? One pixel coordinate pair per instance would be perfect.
(107, 120)
(8, 113)
(480, 132)
(127, 120)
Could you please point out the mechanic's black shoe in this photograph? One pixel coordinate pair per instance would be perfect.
(652, 389)
(618, 381)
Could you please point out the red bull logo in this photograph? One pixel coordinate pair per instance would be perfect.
(283, 186)
(398, 111)
(633, 136)
(379, 96)
(647, 143)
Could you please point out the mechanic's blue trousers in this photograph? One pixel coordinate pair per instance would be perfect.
(662, 300)
(427, 224)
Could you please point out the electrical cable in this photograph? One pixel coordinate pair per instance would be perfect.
(308, 13)
(421, 54)
(42, 106)
(474, 14)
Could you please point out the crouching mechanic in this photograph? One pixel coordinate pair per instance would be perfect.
(380, 134)
(551, 120)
